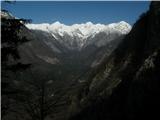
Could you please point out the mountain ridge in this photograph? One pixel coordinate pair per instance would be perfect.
(81, 34)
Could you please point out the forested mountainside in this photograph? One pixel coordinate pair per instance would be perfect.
(126, 86)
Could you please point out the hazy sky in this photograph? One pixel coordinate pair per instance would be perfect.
(78, 12)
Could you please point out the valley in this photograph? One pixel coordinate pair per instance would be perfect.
(82, 71)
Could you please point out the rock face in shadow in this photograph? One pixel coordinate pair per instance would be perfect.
(126, 86)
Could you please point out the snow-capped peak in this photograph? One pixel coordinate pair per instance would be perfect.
(85, 29)
(6, 15)
(80, 32)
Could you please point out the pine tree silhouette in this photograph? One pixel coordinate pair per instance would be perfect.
(10, 41)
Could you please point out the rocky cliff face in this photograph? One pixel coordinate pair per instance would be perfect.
(126, 85)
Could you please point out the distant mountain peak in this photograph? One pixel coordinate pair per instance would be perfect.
(79, 33)
(87, 28)
(5, 14)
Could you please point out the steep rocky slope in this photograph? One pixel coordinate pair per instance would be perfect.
(126, 85)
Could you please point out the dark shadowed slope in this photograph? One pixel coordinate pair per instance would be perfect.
(126, 86)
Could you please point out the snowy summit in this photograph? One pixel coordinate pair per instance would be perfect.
(80, 31)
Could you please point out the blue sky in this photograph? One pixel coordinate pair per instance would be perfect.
(78, 12)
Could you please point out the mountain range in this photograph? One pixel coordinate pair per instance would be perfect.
(79, 36)
(71, 50)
